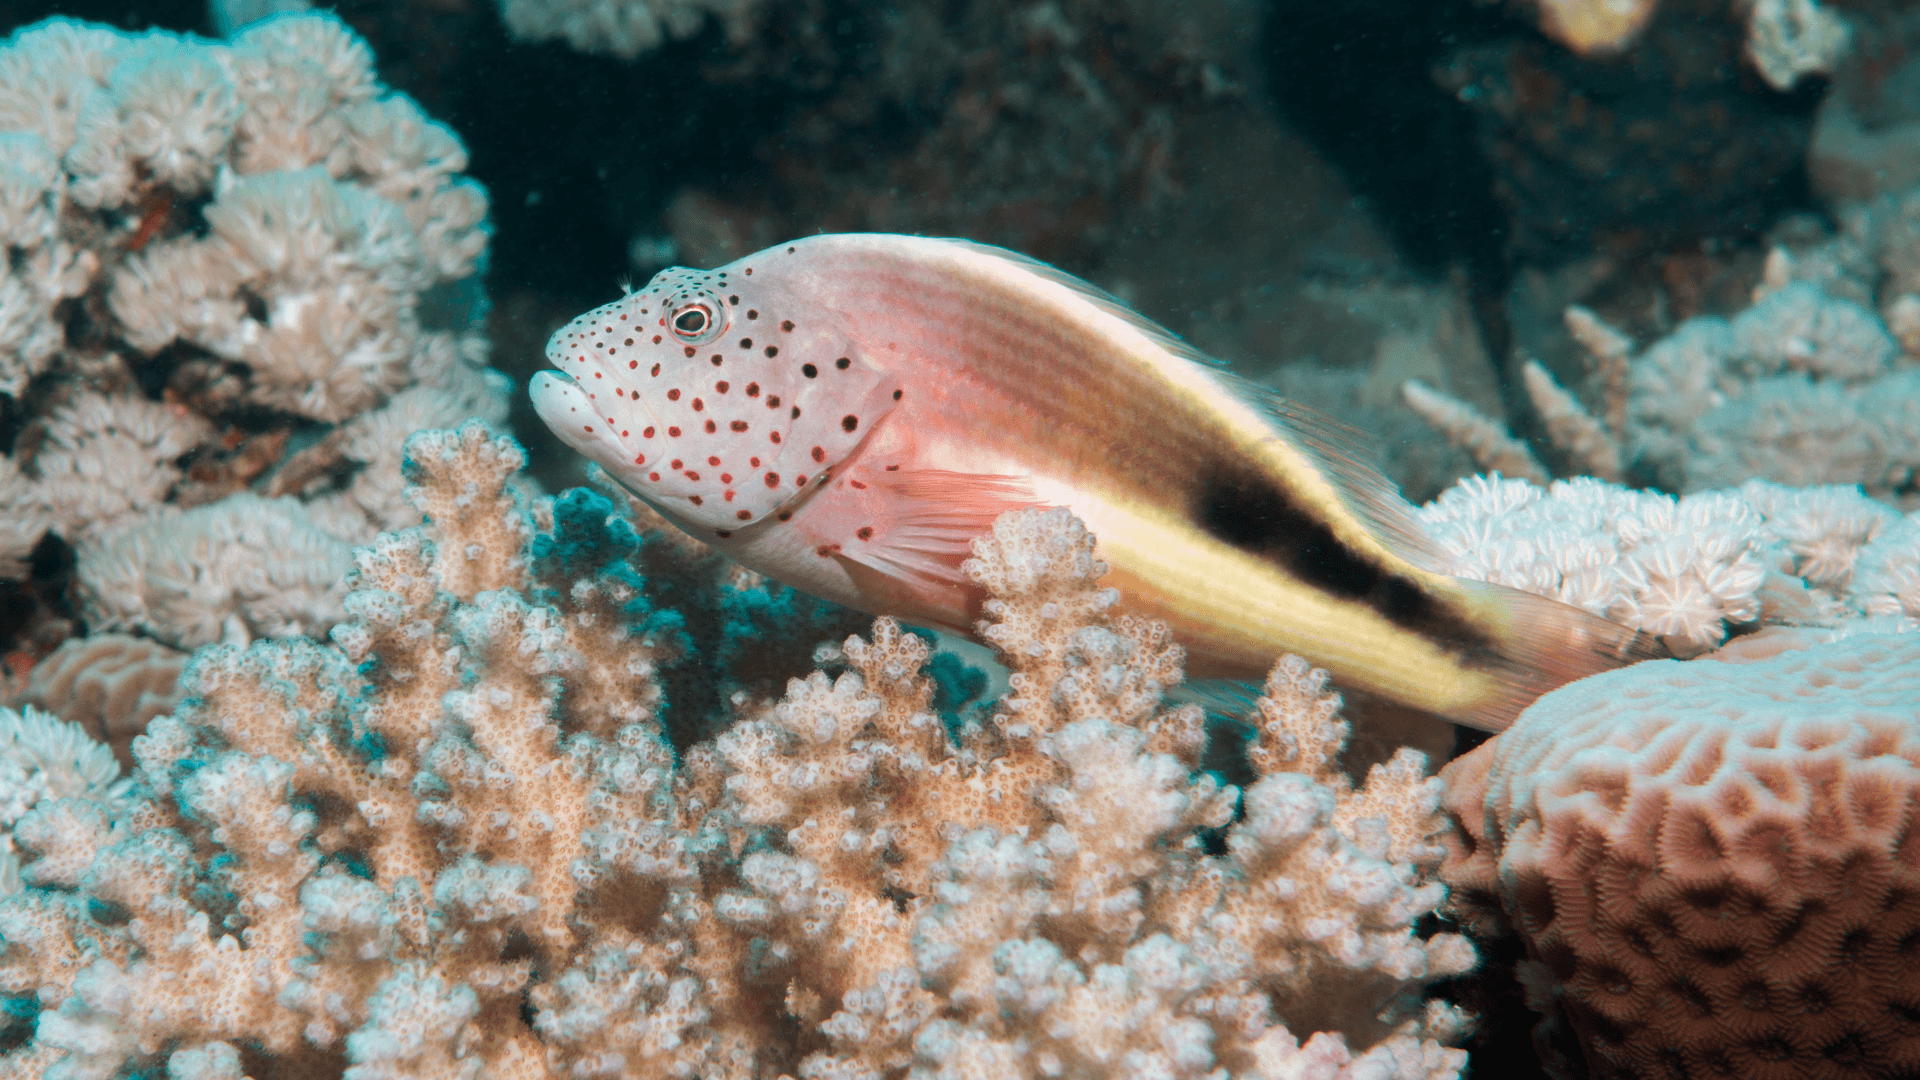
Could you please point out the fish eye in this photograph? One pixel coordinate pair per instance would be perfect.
(698, 320)
(692, 321)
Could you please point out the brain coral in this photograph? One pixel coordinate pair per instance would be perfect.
(1714, 861)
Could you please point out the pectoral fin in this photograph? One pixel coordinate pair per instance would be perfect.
(902, 534)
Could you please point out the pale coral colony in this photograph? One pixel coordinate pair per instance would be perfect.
(353, 753)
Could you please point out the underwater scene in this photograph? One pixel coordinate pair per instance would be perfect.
(960, 539)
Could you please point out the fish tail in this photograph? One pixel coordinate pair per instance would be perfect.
(1543, 645)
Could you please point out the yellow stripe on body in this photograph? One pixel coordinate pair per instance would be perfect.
(1236, 613)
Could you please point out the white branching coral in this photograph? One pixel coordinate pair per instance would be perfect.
(458, 842)
(1687, 568)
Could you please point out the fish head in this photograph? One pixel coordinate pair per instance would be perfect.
(715, 396)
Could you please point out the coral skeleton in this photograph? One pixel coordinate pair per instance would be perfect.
(457, 842)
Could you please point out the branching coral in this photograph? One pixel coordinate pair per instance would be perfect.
(459, 841)
(1689, 569)
(1815, 383)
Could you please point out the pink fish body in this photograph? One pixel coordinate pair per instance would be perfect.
(846, 412)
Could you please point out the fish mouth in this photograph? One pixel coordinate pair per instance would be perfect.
(558, 398)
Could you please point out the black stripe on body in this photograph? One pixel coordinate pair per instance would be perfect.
(1255, 515)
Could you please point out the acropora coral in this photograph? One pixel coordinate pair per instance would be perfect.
(457, 841)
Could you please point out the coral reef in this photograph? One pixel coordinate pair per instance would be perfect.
(1711, 862)
(44, 760)
(1690, 569)
(109, 685)
(1816, 383)
(457, 840)
(235, 269)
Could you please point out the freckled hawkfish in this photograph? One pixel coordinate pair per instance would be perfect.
(845, 413)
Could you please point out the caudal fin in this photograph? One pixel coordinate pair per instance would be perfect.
(1546, 645)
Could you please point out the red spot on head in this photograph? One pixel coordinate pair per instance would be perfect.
(647, 434)
(819, 453)
(773, 479)
(799, 481)
(753, 389)
(755, 462)
(589, 427)
(720, 387)
(691, 475)
(656, 369)
(739, 425)
(673, 395)
(689, 350)
(675, 463)
(710, 427)
(858, 484)
(694, 499)
(774, 435)
(631, 364)
(653, 476)
(713, 461)
(656, 338)
(640, 459)
(698, 405)
(865, 533)
(674, 432)
(743, 515)
(786, 515)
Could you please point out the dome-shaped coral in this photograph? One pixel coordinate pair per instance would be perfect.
(1716, 860)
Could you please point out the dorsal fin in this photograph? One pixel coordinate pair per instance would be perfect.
(1345, 455)
(1340, 450)
(1100, 298)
